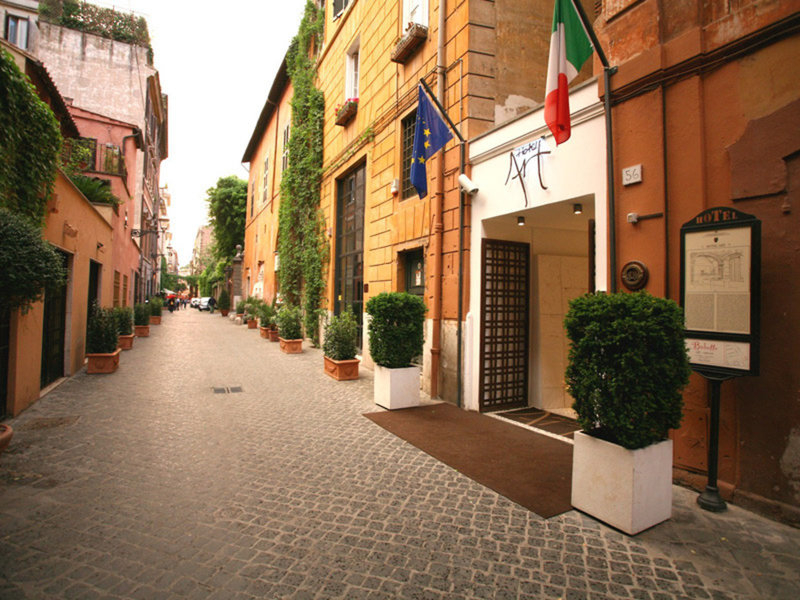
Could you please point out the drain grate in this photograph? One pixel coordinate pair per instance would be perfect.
(231, 389)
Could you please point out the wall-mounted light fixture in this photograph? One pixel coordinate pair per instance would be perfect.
(521, 221)
(577, 209)
(395, 187)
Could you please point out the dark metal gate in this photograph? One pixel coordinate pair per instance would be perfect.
(55, 326)
(505, 304)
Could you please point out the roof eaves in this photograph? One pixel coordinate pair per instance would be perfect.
(275, 92)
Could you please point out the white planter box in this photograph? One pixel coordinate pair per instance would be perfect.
(396, 388)
(627, 489)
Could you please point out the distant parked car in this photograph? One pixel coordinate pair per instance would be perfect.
(194, 302)
(203, 304)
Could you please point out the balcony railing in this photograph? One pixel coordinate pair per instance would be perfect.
(96, 157)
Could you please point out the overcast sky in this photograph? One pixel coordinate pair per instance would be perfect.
(216, 61)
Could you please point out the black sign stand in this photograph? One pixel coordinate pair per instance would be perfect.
(710, 498)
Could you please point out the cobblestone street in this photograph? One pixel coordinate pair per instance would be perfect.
(148, 484)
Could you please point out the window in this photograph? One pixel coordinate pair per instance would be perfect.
(407, 144)
(415, 11)
(116, 288)
(265, 181)
(338, 7)
(17, 31)
(285, 157)
(124, 290)
(251, 195)
(351, 90)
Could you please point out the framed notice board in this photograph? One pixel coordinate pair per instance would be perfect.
(721, 291)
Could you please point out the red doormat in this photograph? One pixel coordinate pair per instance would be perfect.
(530, 469)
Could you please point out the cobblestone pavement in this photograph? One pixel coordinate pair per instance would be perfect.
(147, 484)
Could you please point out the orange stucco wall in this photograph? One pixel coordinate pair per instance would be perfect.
(73, 225)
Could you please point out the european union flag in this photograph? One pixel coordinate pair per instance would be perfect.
(430, 136)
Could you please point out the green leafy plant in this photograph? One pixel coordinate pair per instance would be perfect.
(289, 322)
(123, 315)
(341, 337)
(266, 314)
(156, 304)
(28, 264)
(396, 328)
(227, 209)
(141, 314)
(96, 190)
(101, 333)
(240, 307)
(627, 366)
(224, 300)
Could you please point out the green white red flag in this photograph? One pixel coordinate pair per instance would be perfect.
(569, 48)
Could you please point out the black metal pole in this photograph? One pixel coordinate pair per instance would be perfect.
(710, 498)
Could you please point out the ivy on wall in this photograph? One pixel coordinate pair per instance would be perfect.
(302, 245)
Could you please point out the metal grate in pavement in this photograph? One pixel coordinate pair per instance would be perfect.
(231, 389)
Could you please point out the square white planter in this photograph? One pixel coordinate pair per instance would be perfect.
(628, 489)
(396, 388)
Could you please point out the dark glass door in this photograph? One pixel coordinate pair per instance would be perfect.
(414, 269)
(55, 321)
(94, 285)
(349, 272)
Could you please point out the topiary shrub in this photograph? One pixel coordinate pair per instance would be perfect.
(627, 366)
(240, 307)
(396, 328)
(156, 304)
(28, 264)
(266, 314)
(141, 314)
(341, 337)
(224, 301)
(101, 334)
(289, 319)
(123, 316)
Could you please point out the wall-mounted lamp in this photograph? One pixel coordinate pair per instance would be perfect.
(395, 187)
(521, 221)
(577, 209)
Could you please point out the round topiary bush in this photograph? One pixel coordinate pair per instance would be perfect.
(289, 323)
(341, 337)
(627, 366)
(224, 301)
(101, 334)
(396, 328)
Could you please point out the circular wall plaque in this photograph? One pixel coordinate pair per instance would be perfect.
(634, 275)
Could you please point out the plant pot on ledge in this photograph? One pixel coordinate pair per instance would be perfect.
(291, 346)
(103, 362)
(413, 38)
(346, 112)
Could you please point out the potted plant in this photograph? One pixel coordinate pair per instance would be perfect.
(141, 320)
(290, 333)
(395, 338)
(252, 306)
(101, 341)
(346, 111)
(340, 347)
(224, 302)
(266, 318)
(156, 304)
(123, 315)
(240, 308)
(407, 45)
(627, 367)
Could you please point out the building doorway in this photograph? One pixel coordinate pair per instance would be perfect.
(94, 290)
(349, 269)
(54, 330)
(5, 354)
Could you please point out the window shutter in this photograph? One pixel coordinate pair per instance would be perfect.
(338, 5)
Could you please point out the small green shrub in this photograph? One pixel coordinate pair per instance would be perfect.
(266, 314)
(289, 319)
(101, 334)
(627, 366)
(341, 337)
(156, 304)
(123, 315)
(396, 328)
(141, 314)
(224, 301)
(240, 307)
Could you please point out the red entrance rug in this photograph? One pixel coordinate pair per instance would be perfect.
(530, 469)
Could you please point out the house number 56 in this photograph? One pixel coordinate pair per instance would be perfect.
(632, 175)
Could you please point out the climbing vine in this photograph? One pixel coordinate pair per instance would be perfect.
(30, 143)
(302, 245)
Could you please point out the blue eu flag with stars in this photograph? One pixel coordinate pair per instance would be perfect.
(430, 136)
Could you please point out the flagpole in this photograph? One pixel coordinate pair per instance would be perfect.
(608, 71)
(462, 161)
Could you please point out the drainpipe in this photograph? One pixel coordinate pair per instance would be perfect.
(438, 221)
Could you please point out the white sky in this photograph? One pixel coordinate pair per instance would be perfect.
(216, 61)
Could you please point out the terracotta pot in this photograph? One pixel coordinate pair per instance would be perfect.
(264, 332)
(103, 363)
(141, 330)
(341, 370)
(252, 324)
(224, 311)
(291, 346)
(155, 320)
(273, 335)
(125, 342)
(6, 433)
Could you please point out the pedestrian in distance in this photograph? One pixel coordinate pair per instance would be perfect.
(212, 302)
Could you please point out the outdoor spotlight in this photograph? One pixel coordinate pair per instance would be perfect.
(577, 209)
(520, 220)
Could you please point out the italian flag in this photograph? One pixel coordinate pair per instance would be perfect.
(569, 49)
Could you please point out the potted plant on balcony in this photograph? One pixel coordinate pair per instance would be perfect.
(101, 341)
(340, 347)
(290, 332)
(123, 315)
(141, 320)
(224, 302)
(346, 111)
(156, 304)
(406, 46)
(627, 367)
(395, 338)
